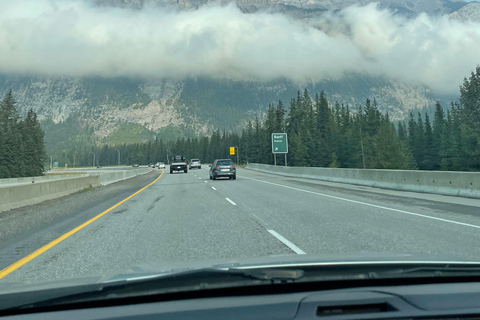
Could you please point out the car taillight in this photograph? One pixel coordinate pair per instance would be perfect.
(232, 167)
(217, 167)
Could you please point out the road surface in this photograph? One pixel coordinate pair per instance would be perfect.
(186, 217)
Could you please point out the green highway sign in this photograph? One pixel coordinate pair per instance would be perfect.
(279, 143)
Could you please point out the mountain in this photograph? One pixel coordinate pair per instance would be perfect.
(115, 110)
(197, 104)
(469, 12)
(304, 8)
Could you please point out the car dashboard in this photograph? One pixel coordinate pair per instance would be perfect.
(420, 301)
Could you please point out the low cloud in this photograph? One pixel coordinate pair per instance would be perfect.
(74, 38)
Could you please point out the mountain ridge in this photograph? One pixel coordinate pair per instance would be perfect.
(200, 105)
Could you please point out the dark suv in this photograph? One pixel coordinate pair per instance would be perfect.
(223, 168)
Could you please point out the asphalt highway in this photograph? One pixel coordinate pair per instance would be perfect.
(187, 217)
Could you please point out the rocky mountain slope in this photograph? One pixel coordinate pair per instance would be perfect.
(469, 12)
(305, 7)
(199, 105)
(202, 103)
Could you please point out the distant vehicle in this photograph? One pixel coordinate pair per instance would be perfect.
(195, 163)
(223, 168)
(135, 165)
(178, 164)
(161, 165)
(151, 165)
(48, 170)
(99, 167)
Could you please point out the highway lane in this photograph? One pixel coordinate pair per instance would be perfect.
(322, 217)
(26, 229)
(178, 218)
(187, 217)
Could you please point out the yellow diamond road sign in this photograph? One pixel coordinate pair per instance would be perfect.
(232, 151)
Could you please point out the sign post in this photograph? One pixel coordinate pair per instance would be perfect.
(279, 145)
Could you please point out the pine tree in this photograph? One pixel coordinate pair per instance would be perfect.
(390, 151)
(439, 135)
(372, 117)
(280, 117)
(447, 145)
(412, 136)
(293, 119)
(323, 131)
(22, 148)
(469, 121)
(370, 120)
(402, 131)
(470, 101)
(297, 151)
(461, 139)
(430, 153)
(419, 143)
(12, 150)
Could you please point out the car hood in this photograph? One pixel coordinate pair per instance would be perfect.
(155, 268)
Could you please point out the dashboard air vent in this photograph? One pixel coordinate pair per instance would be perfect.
(324, 311)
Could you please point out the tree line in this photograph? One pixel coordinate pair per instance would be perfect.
(22, 149)
(323, 134)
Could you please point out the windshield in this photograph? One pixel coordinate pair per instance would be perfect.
(327, 131)
(224, 163)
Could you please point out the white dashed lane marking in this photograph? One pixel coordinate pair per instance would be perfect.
(233, 203)
(286, 242)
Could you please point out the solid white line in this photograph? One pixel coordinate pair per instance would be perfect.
(371, 205)
(205, 181)
(294, 248)
(231, 201)
(214, 188)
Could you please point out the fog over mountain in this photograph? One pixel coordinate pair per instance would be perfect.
(110, 70)
(77, 38)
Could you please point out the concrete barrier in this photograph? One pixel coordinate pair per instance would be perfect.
(106, 178)
(46, 177)
(23, 194)
(27, 194)
(462, 184)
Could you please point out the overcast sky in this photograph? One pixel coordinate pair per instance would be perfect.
(54, 37)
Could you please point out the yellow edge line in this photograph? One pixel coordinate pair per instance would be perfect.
(38, 252)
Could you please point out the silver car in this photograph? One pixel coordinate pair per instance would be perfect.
(195, 163)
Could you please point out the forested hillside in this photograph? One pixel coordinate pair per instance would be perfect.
(331, 135)
(22, 149)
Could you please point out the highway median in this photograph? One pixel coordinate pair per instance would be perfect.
(16, 193)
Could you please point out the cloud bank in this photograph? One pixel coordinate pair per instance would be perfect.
(74, 38)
